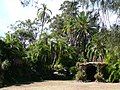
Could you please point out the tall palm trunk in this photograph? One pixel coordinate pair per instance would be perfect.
(43, 20)
(84, 44)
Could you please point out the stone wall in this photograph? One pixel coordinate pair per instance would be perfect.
(93, 70)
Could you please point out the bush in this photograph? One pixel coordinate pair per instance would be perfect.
(99, 77)
(73, 71)
(113, 68)
(5, 65)
(81, 75)
(114, 71)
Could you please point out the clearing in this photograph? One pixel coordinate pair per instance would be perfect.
(65, 85)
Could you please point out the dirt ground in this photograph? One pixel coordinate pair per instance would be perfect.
(65, 85)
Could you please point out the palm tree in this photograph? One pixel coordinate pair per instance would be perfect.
(86, 27)
(43, 14)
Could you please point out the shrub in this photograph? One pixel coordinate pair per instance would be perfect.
(73, 70)
(113, 68)
(5, 65)
(114, 71)
(81, 75)
(99, 77)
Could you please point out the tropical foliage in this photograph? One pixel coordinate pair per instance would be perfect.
(35, 51)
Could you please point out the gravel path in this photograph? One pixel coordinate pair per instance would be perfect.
(65, 85)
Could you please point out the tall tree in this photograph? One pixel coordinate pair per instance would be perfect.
(105, 7)
(26, 31)
(76, 27)
(43, 16)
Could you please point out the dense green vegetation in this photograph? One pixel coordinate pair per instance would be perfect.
(33, 52)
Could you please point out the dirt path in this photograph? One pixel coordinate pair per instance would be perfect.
(65, 85)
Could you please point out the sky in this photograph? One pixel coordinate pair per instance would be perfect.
(12, 10)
